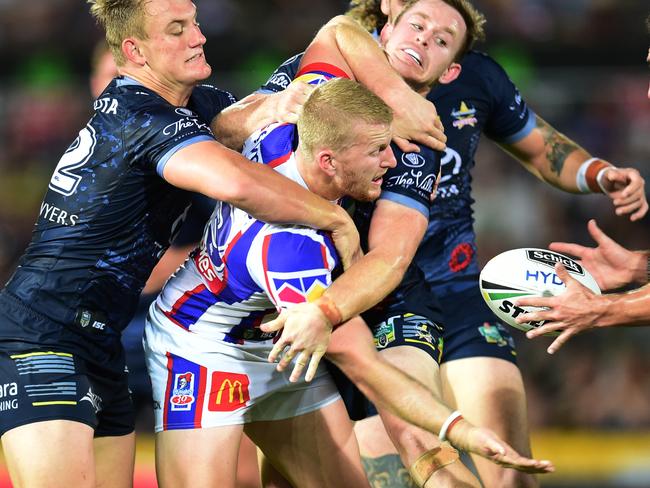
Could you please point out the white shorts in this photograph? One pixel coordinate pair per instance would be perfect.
(199, 383)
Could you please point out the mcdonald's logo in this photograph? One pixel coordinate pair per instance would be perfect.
(229, 391)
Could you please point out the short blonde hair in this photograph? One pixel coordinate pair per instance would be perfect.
(332, 111)
(474, 20)
(120, 19)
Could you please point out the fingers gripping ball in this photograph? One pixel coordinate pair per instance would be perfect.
(526, 272)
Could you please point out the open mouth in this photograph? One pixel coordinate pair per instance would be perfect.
(195, 57)
(379, 180)
(414, 55)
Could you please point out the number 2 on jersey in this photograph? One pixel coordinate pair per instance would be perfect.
(64, 180)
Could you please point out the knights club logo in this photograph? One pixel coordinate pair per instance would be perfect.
(182, 396)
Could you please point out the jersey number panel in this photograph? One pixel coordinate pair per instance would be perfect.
(64, 180)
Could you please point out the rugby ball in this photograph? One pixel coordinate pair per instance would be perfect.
(526, 272)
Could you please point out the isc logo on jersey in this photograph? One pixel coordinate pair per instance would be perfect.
(526, 272)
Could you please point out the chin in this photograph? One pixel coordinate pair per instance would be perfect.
(368, 196)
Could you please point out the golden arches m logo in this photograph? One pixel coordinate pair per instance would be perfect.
(228, 391)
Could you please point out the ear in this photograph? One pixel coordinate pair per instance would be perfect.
(450, 74)
(132, 52)
(385, 7)
(385, 33)
(326, 162)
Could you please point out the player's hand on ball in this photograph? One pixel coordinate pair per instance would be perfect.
(305, 336)
(571, 312)
(611, 265)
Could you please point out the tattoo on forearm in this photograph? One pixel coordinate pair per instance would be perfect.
(557, 146)
(387, 472)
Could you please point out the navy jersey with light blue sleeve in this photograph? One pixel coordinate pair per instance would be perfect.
(108, 215)
(482, 99)
(410, 183)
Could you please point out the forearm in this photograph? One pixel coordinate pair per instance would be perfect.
(368, 62)
(223, 174)
(639, 266)
(625, 309)
(234, 124)
(273, 198)
(393, 390)
(366, 283)
(551, 156)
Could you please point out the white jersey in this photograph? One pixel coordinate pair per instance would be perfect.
(245, 270)
(205, 352)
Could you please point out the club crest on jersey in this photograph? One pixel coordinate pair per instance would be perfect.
(182, 396)
(413, 160)
(298, 287)
(464, 116)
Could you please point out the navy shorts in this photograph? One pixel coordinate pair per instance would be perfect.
(472, 330)
(68, 376)
(411, 317)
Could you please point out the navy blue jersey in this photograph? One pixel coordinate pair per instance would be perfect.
(108, 215)
(409, 183)
(482, 99)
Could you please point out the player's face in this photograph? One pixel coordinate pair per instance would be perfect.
(174, 49)
(422, 45)
(362, 166)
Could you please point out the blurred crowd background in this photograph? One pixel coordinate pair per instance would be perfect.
(580, 64)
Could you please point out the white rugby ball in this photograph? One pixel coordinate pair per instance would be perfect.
(526, 272)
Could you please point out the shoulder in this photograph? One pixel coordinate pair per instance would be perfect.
(282, 76)
(293, 248)
(211, 92)
(271, 145)
(412, 181)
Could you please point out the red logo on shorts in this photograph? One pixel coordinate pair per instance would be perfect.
(461, 256)
(229, 391)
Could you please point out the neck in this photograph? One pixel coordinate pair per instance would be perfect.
(175, 93)
(420, 89)
(317, 181)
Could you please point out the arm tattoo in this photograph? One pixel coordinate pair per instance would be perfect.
(387, 472)
(557, 146)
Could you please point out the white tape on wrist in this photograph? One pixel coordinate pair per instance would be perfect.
(590, 175)
(448, 424)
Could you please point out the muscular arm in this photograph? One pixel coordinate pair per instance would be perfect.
(220, 173)
(345, 44)
(234, 124)
(394, 236)
(550, 156)
(556, 159)
(353, 351)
